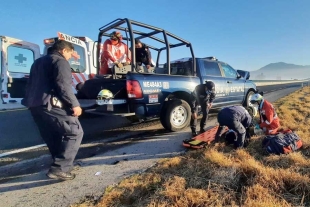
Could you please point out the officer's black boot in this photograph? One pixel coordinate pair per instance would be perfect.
(202, 128)
(194, 132)
(202, 125)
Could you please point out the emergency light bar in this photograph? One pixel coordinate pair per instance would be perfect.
(49, 41)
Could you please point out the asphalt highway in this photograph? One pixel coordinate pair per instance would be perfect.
(17, 129)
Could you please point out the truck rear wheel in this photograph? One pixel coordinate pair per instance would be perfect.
(176, 115)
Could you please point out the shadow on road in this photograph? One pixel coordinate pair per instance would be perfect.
(28, 182)
(112, 154)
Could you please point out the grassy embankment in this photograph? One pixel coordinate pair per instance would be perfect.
(220, 176)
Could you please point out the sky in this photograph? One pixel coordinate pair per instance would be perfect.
(247, 34)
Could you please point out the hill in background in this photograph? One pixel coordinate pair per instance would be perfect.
(281, 71)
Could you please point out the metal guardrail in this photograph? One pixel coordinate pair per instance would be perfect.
(278, 82)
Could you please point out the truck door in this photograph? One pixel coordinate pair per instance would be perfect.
(17, 57)
(79, 61)
(210, 71)
(234, 82)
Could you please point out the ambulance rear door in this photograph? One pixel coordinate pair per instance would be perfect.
(17, 57)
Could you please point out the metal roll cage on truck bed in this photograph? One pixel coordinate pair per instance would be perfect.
(163, 91)
(118, 25)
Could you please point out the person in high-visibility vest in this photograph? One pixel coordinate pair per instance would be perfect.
(115, 52)
(269, 121)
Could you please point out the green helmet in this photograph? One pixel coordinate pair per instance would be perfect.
(105, 94)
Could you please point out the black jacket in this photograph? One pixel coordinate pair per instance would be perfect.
(50, 74)
(236, 113)
(143, 55)
(200, 95)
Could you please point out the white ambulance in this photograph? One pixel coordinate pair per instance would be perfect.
(83, 62)
(16, 58)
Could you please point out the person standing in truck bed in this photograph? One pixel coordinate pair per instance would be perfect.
(203, 95)
(115, 53)
(143, 54)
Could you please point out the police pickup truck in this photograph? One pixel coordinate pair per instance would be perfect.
(162, 91)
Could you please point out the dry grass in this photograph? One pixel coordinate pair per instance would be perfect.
(220, 176)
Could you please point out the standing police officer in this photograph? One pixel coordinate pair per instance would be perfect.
(55, 109)
(236, 118)
(203, 95)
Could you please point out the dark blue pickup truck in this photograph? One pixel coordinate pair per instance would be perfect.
(163, 91)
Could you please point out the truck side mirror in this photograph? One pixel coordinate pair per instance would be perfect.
(248, 76)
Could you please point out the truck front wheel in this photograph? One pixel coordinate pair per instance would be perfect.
(176, 115)
(247, 102)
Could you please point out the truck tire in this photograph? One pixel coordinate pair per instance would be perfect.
(176, 115)
(247, 102)
(162, 116)
(251, 111)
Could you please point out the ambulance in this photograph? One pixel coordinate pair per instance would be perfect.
(83, 62)
(16, 58)
(18, 55)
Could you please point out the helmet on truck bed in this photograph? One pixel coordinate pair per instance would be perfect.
(105, 94)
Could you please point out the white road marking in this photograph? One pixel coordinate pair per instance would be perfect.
(22, 150)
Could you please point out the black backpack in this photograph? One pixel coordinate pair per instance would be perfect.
(283, 142)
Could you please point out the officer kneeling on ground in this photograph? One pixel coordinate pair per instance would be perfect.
(238, 120)
(203, 95)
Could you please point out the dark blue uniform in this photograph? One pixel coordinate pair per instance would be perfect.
(236, 118)
(62, 132)
(143, 55)
(200, 97)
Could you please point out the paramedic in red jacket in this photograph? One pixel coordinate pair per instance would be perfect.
(269, 120)
(115, 52)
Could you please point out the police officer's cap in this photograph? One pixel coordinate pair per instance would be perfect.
(210, 85)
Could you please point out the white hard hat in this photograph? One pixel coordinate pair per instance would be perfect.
(256, 97)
